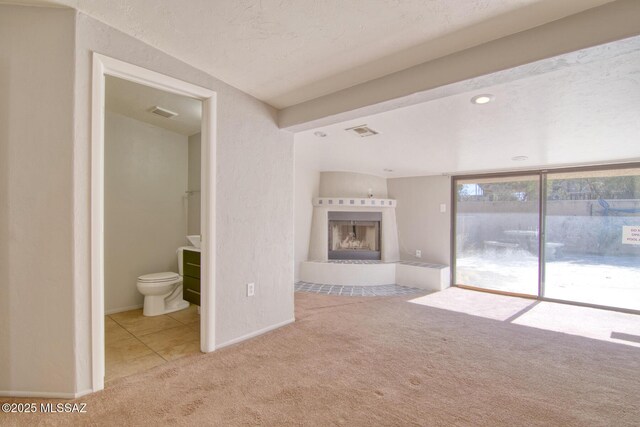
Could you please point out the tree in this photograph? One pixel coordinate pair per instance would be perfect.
(594, 188)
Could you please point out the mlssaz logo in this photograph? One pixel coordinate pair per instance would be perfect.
(63, 407)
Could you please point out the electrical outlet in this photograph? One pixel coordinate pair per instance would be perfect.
(418, 253)
(251, 289)
(443, 207)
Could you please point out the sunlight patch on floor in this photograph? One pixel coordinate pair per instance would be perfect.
(583, 321)
(490, 306)
(605, 325)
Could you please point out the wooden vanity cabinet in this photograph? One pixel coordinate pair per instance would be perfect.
(191, 278)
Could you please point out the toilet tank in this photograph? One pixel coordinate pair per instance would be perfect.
(181, 255)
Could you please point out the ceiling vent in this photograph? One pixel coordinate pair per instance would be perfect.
(362, 131)
(167, 114)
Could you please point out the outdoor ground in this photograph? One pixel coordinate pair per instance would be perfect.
(603, 280)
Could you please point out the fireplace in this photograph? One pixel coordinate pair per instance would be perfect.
(354, 235)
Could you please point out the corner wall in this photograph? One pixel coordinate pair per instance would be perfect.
(307, 186)
(421, 225)
(351, 184)
(36, 206)
(45, 147)
(254, 190)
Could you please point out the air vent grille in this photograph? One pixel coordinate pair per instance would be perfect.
(362, 131)
(163, 112)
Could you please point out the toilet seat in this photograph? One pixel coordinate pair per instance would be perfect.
(167, 276)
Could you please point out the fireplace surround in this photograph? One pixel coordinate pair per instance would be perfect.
(382, 237)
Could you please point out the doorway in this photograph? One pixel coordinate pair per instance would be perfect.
(102, 67)
(152, 209)
(568, 235)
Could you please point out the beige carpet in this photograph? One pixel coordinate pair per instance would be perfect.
(380, 361)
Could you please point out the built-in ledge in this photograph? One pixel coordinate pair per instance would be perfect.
(433, 277)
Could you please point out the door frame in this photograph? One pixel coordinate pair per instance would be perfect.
(103, 66)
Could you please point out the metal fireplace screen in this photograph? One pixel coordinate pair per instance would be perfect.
(354, 235)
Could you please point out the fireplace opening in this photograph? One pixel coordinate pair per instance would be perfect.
(354, 235)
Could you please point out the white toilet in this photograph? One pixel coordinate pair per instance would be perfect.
(162, 291)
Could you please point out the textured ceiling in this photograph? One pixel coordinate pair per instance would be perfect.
(288, 51)
(581, 113)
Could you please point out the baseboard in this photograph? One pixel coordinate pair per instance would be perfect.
(121, 309)
(84, 392)
(44, 394)
(255, 334)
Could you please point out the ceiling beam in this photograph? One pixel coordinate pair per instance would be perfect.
(610, 22)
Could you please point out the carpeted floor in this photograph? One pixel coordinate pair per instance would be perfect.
(380, 361)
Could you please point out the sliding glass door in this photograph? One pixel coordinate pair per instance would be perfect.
(497, 222)
(592, 245)
(590, 235)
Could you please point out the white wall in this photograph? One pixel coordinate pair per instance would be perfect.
(421, 225)
(254, 195)
(349, 184)
(145, 205)
(45, 81)
(193, 202)
(36, 200)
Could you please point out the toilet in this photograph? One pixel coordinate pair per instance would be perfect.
(162, 291)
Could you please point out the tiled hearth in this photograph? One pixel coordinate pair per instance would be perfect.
(356, 291)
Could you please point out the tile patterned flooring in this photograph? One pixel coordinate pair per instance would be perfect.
(356, 291)
(134, 343)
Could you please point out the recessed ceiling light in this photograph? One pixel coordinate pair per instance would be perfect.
(485, 98)
(320, 134)
(388, 170)
(519, 158)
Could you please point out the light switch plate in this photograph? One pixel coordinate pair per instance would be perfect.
(251, 289)
(443, 207)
